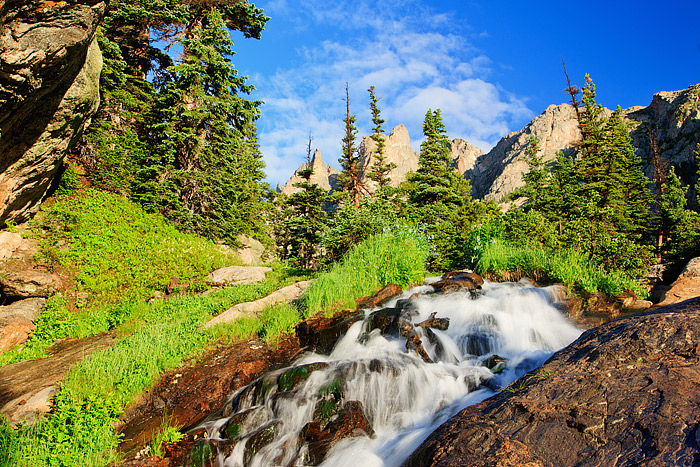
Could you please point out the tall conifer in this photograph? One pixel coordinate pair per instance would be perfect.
(380, 169)
(350, 178)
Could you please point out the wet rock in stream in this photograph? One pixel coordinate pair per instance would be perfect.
(625, 393)
(350, 423)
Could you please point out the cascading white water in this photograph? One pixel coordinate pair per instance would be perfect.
(404, 398)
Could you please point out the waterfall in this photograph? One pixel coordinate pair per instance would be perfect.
(493, 338)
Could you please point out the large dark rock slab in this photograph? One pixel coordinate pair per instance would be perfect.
(625, 393)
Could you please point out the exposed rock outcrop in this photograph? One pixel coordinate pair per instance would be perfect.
(50, 67)
(673, 120)
(499, 172)
(686, 286)
(17, 321)
(284, 295)
(629, 389)
(26, 388)
(324, 176)
(397, 150)
(239, 275)
(464, 155)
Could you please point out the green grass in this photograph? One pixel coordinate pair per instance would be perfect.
(397, 257)
(157, 337)
(58, 322)
(167, 433)
(118, 251)
(505, 261)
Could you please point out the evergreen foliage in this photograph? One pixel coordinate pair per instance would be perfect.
(350, 179)
(304, 219)
(597, 199)
(381, 168)
(435, 182)
(178, 136)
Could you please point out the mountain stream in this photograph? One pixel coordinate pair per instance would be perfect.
(494, 336)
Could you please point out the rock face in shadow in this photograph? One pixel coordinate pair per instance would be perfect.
(625, 393)
(50, 67)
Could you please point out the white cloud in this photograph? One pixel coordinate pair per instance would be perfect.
(414, 59)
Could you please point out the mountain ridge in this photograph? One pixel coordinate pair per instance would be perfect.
(672, 116)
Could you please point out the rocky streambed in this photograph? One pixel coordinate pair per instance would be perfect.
(377, 381)
(624, 392)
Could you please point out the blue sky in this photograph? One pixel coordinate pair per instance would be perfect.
(490, 65)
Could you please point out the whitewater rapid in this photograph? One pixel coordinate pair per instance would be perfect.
(403, 397)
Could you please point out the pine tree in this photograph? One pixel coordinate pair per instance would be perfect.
(209, 135)
(435, 182)
(697, 180)
(182, 142)
(609, 196)
(380, 169)
(306, 216)
(537, 177)
(350, 179)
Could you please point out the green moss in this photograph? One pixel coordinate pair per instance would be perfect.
(201, 454)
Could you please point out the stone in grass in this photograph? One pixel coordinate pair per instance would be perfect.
(238, 275)
(16, 321)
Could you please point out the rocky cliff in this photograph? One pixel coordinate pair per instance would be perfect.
(625, 393)
(324, 176)
(672, 119)
(499, 172)
(397, 150)
(49, 88)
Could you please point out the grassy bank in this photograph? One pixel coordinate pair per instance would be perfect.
(397, 256)
(573, 268)
(159, 336)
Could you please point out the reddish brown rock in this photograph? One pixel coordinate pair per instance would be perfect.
(627, 390)
(200, 388)
(319, 334)
(17, 321)
(387, 292)
(351, 423)
(21, 279)
(465, 274)
(454, 281)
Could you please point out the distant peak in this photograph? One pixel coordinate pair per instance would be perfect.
(316, 158)
(400, 133)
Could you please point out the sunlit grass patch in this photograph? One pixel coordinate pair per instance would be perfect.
(397, 256)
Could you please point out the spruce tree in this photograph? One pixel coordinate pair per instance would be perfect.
(182, 142)
(306, 216)
(536, 178)
(380, 169)
(350, 179)
(435, 182)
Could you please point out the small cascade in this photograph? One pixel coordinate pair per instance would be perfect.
(377, 396)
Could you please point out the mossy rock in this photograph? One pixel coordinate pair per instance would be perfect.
(203, 455)
(294, 376)
(260, 438)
